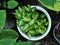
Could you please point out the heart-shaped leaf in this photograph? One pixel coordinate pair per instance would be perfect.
(2, 19)
(12, 4)
(8, 33)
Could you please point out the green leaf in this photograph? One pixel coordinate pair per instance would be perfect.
(33, 9)
(7, 41)
(28, 8)
(17, 15)
(23, 43)
(2, 19)
(51, 4)
(38, 22)
(26, 26)
(36, 26)
(29, 35)
(41, 30)
(48, 2)
(26, 19)
(46, 24)
(42, 16)
(32, 32)
(20, 9)
(31, 22)
(12, 4)
(20, 22)
(38, 43)
(35, 15)
(8, 33)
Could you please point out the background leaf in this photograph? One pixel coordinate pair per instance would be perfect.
(2, 19)
(23, 43)
(48, 2)
(7, 42)
(12, 4)
(51, 4)
(8, 33)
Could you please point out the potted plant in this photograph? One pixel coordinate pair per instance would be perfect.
(33, 22)
(9, 36)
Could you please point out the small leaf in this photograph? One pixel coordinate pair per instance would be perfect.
(28, 8)
(26, 19)
(38, 22)
(26, 30)
(35, 15)
(20, 9)
(12, 4)
(32, 32)
(42, 16)
(46, 24)
(20, 22)
(17, 14)
(38, 43)
(33, 9)
(36, 26)
(29, 35)
(29, 15)
(26, 26)
(31, 22)
(22, 28)
(44, 20)
(41, 31)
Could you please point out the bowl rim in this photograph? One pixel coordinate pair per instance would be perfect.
(48, 29)
(56, 27)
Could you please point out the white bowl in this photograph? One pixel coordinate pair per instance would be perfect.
(41, 36)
